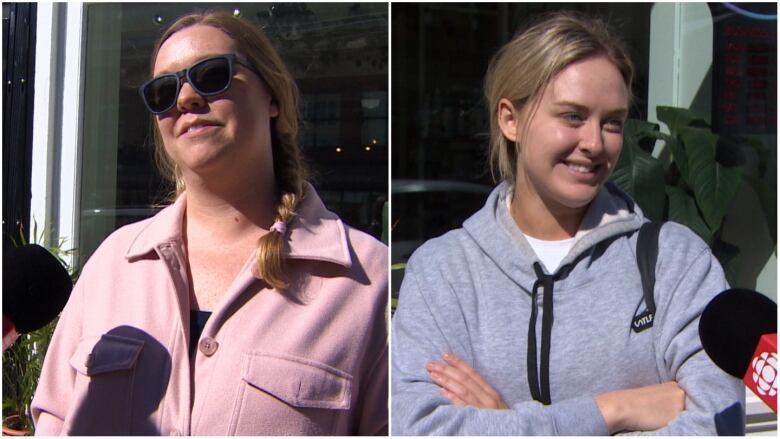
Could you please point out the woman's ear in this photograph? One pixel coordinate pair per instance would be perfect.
(508, 119)
(273, 109)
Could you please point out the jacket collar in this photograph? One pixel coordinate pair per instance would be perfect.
(315, 233)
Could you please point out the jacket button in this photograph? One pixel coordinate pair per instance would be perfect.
(208, 346)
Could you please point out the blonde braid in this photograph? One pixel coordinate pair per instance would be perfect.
(270, 265)
(290, 175)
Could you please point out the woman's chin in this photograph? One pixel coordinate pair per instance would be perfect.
(578, 197)
(205, 168)
(202, 156)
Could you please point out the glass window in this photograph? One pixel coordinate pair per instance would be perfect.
(743, 97)
(337, 53)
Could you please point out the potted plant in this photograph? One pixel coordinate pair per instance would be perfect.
(21, 368)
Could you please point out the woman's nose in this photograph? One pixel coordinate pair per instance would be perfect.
(592, 138)
(189, 99)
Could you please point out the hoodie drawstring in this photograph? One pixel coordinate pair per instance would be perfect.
(539, 383)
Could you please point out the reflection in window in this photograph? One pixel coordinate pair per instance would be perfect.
(322, 115)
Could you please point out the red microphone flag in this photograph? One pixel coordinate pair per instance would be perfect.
(761, 376)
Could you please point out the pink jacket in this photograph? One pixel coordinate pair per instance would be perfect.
(312, 361)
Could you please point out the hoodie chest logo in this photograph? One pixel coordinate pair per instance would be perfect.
(643, 321)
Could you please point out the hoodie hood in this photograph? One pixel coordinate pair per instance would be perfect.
(611, 213)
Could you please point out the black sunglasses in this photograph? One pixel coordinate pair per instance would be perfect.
(208, 77)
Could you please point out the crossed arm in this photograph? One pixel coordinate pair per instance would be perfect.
(640, 409)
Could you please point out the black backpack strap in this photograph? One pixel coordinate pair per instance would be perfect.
(646, 257)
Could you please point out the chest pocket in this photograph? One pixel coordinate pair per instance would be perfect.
(287, 395)
(120, 380)
(105, 372)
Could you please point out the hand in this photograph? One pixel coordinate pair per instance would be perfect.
(9, 333)
(463, 385)
(641, 409)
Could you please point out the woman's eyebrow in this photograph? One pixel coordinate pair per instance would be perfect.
(570, 104)
(621, 111)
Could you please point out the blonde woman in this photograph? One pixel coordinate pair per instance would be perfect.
(243, 308)
(520, 323)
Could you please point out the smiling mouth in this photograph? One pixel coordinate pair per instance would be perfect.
(581, 169)
(196, 129)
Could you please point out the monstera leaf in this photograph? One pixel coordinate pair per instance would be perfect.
(683, 210)
(643, 134)
(677, 119)
(713, 184)
(637, 172)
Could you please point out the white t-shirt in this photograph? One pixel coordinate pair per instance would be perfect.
(551, 253)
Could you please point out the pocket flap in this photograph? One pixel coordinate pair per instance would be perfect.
(107, 353)
(299, 382)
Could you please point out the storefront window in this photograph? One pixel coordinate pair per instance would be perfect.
(744, 109)
(337, 53)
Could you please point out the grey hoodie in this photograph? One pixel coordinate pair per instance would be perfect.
(469, 292)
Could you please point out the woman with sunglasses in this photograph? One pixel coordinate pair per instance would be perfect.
(245, 307)
(522, 322)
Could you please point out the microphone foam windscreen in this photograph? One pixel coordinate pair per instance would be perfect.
(35, 287)
(731, 325)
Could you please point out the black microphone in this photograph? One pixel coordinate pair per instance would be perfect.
(36, 288)
(732, 326)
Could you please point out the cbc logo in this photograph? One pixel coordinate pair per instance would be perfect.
(764, 373)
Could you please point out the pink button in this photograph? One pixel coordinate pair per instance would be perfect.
(208, 346)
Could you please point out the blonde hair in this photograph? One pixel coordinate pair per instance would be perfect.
(524, 66)
(290, 171)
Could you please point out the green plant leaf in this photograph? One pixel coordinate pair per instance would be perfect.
(642, 177)
(726, 253)
(35, 231)
(22, 238)
(642, 133)
(680, 158)
(682, 209)
(714, 185)
(676, 119)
